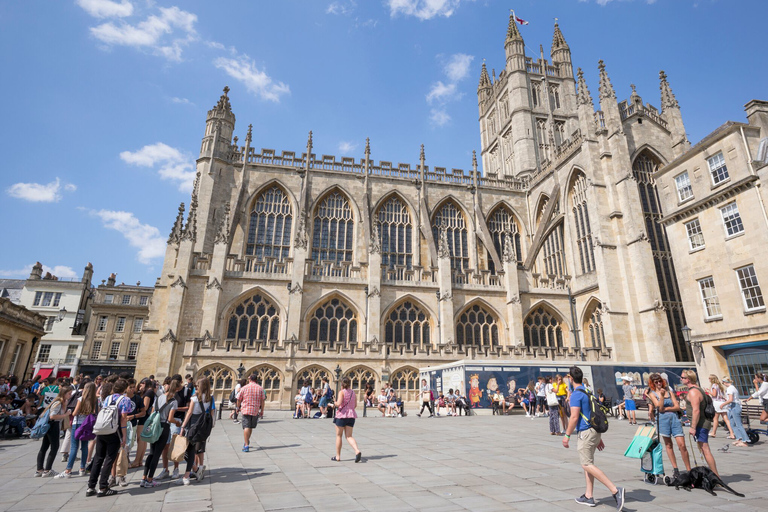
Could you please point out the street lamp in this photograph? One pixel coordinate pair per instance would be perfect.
(62, 314)
(337, 371)
(687, 338)
(240, 371)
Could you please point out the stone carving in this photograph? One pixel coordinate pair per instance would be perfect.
(213, 283)
(178, 227)
(605, 307)
(179, 282)
(169, 336)
(658, 306)
(514, 300)
(508, 255)
(442, 250)
(374, 293)
(190, 230)
(375, 244)
(445, 296)
(295, 289)
(208, 339)
(222, 236)
(301, 239)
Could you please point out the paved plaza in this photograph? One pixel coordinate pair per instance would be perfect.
(481, 463)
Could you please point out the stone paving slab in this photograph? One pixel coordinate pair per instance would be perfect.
(481, 463)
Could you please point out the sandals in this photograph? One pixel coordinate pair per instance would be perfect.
(334, 459)
(358, 457)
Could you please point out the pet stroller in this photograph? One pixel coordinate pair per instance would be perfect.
(647, 446)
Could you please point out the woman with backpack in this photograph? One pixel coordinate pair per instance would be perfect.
(55, 411)
(165, 407)
(197, 428)
(84, 415)
(110, 433)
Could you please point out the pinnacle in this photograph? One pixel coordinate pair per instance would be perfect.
(668, 99)
(606, 88)
(485, 80)
(249, 136)
(558, 40)
(512, 32)
(584, 97)
(223, 104)
(421, 155)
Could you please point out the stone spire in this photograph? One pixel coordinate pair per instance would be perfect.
(634, 98)
(558, 41)
(178, 227)
(223, 105)
(190, 230)
(513, 34)
(249, 135)
(606, 88)
(485, 80)
(668, 99)
(584, 97)
(222, 236)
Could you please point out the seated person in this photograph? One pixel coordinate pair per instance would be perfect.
(440, 403)
(462, 404)
(29, 409)
(511, 401)
(299, 399)
(13, 417)
(392, 409)
(382, 403)
(498, 402)
(525, 401)
(450, 403)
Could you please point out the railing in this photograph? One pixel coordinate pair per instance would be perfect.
(551, 281)
(627, 110)
(532, 67)
(470, 277)
(252, 264)
(201, 262)
(343, 270)
(401, 273)
(552, 71)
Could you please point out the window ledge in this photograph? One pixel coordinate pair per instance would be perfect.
(727, 180)
(754, 311)
(697, 249)
(718, 318)
(686, 200)
(740, 233)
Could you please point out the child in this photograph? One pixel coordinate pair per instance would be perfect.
(299, 399)
(450, 403)
(440, 403)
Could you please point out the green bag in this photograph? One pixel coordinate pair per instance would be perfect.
(153, 428)
(640, 443)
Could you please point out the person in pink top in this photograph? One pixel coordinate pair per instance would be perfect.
(345, 419)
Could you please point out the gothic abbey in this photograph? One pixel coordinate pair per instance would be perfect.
(291, 265)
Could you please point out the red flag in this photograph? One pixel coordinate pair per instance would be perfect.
(521, 21)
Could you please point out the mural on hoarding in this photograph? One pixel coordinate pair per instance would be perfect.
(483, 381)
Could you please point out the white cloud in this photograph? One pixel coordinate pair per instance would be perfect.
(38, 193)
(144, 237)
(347, 147)
(255, 80)
(439, 116)
(155, 33)
(183, 101)
(106, 8)
(423, 9)
(343, 8)
(173, 164)
(58, 271)
(457, 67)
(442, 93)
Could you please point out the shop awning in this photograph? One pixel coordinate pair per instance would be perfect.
(44, 373)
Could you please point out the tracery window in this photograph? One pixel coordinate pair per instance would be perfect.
(542, 329)
(313, 374)
(405, 382)
(554, 96)
(254, 319)
(501, 221)
(559, 133)
(270, 378)
(359, 377)
(582, 225)
(333, 231)
(477, 326)
(222, 379)
(407, 325)
(536, 94)
(395, 234)
(334, 322)
(554, 253)
(450, 218)
(269, 231)
(596, 333)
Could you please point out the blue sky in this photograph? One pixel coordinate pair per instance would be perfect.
(105, 100)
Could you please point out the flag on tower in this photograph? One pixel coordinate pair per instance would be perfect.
(519, 20)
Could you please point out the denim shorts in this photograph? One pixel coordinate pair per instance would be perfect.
(629, 405)
(175, 429)
(702, 435)
(670, 425)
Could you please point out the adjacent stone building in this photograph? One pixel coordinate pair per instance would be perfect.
(715, 206)
(298, 265)
(113, 338)
(20, 329)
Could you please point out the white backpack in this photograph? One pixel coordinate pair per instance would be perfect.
(108, 419)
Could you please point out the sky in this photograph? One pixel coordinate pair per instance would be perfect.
(105, 100)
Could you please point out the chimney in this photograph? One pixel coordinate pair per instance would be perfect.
(757, 115)
(37, 271)
(111, 280)
(88, 274)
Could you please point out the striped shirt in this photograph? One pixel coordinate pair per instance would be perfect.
(251, 397)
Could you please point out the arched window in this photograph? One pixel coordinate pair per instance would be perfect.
(501, 221)
(334, 322)
(477, 326)
(542, 329)
(581, 223)
(333, 230)
(395, 234)
(554, 253)
(269, 231)
(405, 382)
(255, 318)
(450, 218)
(594, 327)
(407, 325)
(359, 377)
(222, 379)
(313, 374)
(642, 169)
(270, 378)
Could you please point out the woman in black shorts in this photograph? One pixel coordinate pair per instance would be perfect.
(345, 419)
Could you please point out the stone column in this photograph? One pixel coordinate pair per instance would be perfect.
(293, 324)
(373, 319)
(445, 302)
(512, 285)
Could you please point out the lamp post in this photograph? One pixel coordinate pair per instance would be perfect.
(687, 338)
(240, 371)
(337, 371)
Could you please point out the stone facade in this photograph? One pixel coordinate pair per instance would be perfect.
(295, 265)
(19, 330)
(718, 227)
(113, 338)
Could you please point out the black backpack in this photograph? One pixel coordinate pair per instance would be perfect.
(597, 419)
(232, 396)
(709, 408)
(200, 431)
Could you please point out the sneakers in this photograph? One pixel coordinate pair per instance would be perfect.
(38, 474)
(163, 474)
(418, 414)
(235, 420)
(175, 474)
(583, 500)
(81, 472)
(399, 415)
(122, 481)
(619, 497)
(185, 481)
(200, 473)
(46, 474)
(90, 492)
(148, 484)
(64, 457)
(246, 448)
(63, 474)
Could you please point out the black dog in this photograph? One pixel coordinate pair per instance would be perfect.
(699, 478)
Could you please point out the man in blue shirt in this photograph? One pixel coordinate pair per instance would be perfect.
(589, 441)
